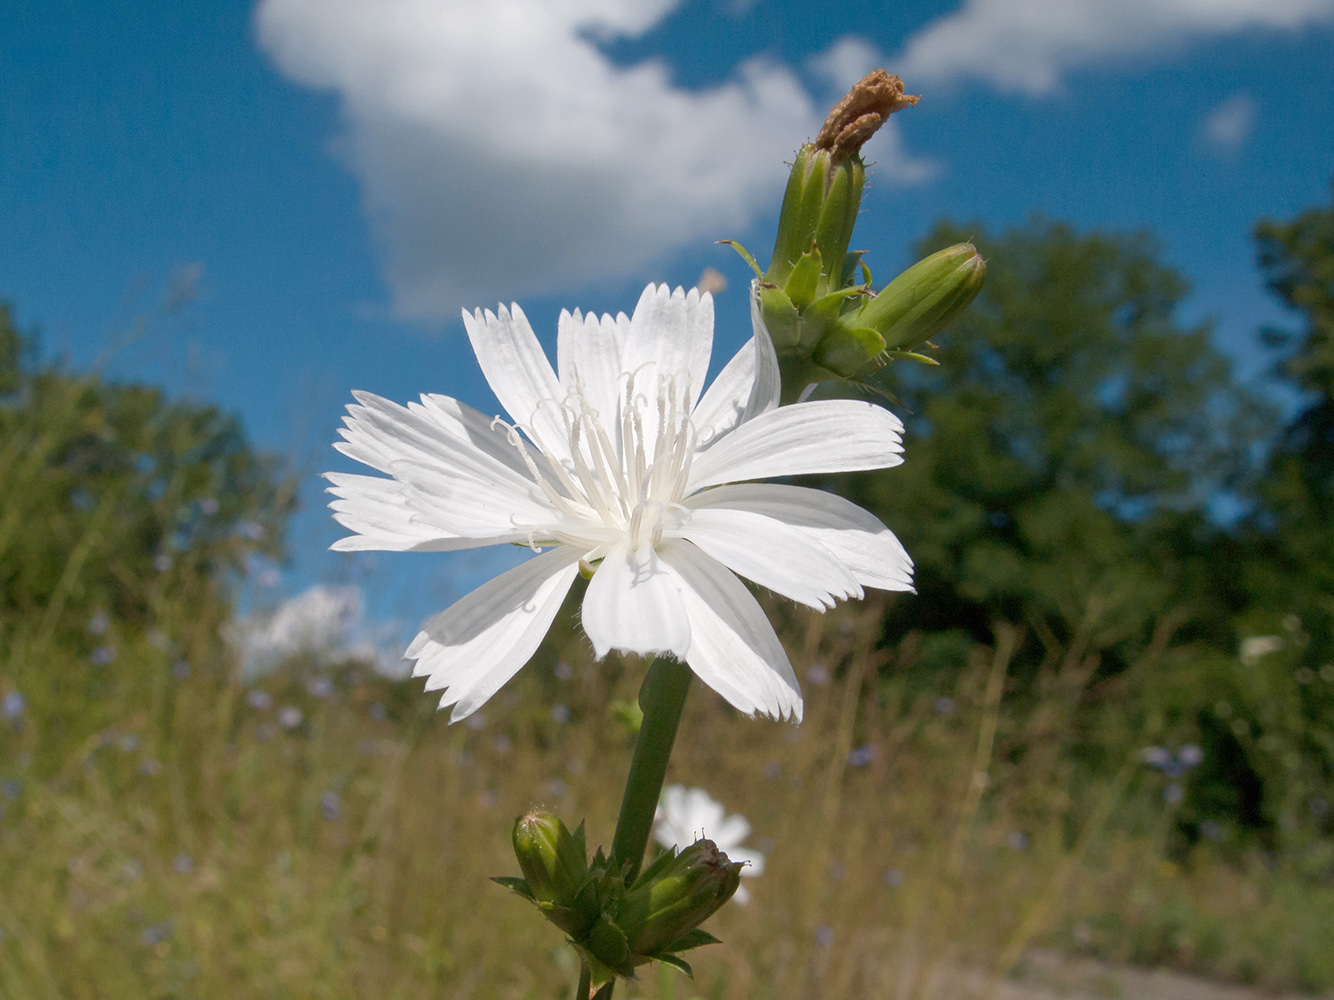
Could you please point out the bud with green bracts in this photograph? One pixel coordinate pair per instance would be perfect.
(660, 913)
(670, 900)
(824, 192)
(924, 299)
(554, 862)
(816, 299)
(819, 210)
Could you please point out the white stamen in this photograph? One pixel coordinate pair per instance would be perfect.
(617, 493)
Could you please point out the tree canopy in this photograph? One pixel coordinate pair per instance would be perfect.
(115, 493)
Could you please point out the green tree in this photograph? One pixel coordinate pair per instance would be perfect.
(1074, 466)
(1292, 570)
(117, 499)
(1064, 458)
(1297, 259)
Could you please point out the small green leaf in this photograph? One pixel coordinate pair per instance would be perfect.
(780, 317)
(830, 305)
(911, 356)
(518, 885)
(607, 943)
(694, 939)
(850, 265)
(847, 351)
(745, 255)
(804, 280)
(680, 965)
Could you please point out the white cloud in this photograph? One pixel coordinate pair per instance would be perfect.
(845, 62)
(325, 623)
(1028, 45)
(502, 154)
(1227, 127)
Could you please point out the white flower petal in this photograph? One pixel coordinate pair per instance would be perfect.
(460, 504)
(677, 819)
(367, 540)
(768, 384)
(670, 336)
(733, 648)
(725, 403)
(380, 433)
(465, 423)
(747, 386)
(832, 435)
(700, 814)
(480, 641)
(633, 604)
(588, 354)
(519, 374)
(765, 550)
(729, 831)
(379, 511)
(854, 536)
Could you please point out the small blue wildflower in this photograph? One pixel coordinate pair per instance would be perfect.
(330, 806)
(12, 707)
(862, 756)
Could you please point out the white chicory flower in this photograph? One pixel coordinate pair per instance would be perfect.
(618, 465)
(686, 814)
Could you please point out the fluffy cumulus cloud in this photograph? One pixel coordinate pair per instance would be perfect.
(326, 625)
(502, 153)
(1028, 45)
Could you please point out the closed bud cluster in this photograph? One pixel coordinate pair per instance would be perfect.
(619, 926)
(815, 299)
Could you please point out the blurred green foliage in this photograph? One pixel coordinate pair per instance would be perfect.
(115, 498)
(1085, 467)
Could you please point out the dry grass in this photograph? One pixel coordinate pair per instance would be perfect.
(171, 839)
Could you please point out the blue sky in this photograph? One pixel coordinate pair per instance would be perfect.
(269, 205)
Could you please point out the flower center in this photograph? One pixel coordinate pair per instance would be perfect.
(626, 472)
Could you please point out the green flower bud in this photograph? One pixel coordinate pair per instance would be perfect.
(924, 299)
(819, 210)
(671, 899)
(554, 861)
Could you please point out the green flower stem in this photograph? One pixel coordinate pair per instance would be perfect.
(585, 986)
(662, 698)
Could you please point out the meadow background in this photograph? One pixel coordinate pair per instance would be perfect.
(1104, 726)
